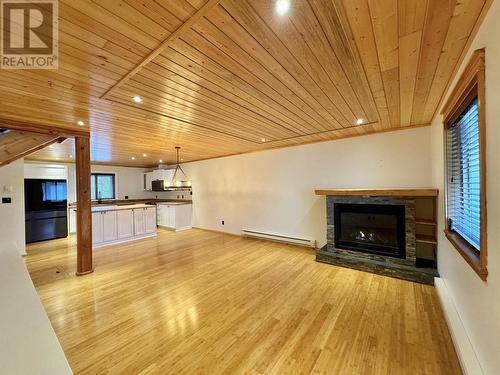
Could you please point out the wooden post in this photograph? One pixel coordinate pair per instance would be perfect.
(83, 213)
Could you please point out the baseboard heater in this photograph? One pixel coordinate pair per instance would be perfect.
(279, 238)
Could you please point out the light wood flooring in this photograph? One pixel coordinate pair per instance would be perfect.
(203, 302)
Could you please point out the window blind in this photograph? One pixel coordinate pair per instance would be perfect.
(463, 174)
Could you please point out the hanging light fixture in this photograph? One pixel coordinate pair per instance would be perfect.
(180, 179)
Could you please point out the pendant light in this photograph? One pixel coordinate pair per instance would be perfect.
(180, 179)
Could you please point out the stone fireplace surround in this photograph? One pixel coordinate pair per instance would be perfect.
(379, 264)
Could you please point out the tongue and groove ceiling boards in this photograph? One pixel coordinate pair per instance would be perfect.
(234, 76)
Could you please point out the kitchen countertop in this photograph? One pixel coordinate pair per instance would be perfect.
(115, 202)
(119, 208)
(174, 203)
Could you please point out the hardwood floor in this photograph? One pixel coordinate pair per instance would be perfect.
(204, 302)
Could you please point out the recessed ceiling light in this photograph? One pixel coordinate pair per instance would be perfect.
(359, 121)
(137, 99)
(263, 140)
(133, 158)
(282, 7)
(80, 123)
(144, 155)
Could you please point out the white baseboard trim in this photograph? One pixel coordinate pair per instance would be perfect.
(183, 228)
(180, 229)
(465, 351)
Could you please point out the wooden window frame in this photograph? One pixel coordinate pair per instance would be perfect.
(470, 85)
(114, 185)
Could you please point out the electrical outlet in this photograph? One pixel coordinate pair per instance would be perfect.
(222, 222)
(6, 200)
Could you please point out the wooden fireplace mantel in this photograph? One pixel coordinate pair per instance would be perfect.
(427, 192)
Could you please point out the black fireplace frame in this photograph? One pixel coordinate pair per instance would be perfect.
(397, 210)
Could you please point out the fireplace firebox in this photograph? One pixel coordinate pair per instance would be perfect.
(371, 228)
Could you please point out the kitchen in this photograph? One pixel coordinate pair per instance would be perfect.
(127, 203)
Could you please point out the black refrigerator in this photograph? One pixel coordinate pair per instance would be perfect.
(46, 209)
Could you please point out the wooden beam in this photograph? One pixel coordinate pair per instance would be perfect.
(186, 26)
(44, 129)
(380, 192)
(83, 213)
(25, 144)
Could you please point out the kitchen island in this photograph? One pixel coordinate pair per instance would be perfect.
(174, 215)
(121, 223)
(118, 202)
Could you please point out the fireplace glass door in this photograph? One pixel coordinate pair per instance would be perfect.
(371, 228)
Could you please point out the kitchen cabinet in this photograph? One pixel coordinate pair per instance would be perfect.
(144, 221)
(125, 223)
(104, 227)
(174, 216)
(71, 220)
(97, 234)
(157, 174)
(109, 230)
(150, 220)
(115, 224)
(148, 178)
(139, 222)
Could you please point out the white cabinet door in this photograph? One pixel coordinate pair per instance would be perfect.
(139, 222)
(163, 215)
(158, 174)
(171, 217)
(72, 220)
(109, 230)
(97, 235)
(183, 215)
(167, 216)
(149, 178)
(150, 219)
(158, 214)
(125, 223)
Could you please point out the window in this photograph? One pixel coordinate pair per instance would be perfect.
(463, 176)
(54, 191)
(465, 166)
(102, 186)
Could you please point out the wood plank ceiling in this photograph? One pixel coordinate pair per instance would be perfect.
(234, 76)
(17, 144)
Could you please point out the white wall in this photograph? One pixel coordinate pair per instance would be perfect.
(477, 302)
(12, 231)
(273, 191)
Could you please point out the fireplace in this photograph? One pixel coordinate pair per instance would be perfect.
(378, 231)
(371, 228)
